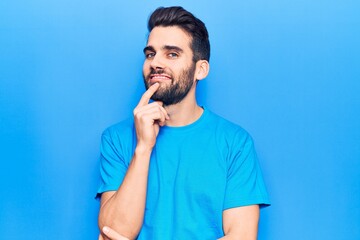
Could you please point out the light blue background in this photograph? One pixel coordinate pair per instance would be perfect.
(287, 71)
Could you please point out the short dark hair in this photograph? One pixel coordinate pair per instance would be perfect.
(178, 16)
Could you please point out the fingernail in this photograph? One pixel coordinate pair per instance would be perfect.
(106, 229)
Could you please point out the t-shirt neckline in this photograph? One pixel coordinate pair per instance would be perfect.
(189, 127)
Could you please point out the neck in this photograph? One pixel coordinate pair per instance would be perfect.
(185, 112)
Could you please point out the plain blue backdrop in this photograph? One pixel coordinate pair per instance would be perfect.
(287, 71)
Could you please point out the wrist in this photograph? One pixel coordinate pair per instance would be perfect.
(142, 150)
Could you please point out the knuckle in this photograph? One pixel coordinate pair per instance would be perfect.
(138, 115)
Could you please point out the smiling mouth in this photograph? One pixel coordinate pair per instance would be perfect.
(159, 78)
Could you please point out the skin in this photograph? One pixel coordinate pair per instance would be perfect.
(111, 234)
(122, 211)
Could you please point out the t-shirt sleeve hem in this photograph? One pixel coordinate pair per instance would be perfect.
(105, 188)
(261, 201)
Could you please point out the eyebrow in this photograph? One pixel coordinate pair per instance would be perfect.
(148, 48)
(166, 47)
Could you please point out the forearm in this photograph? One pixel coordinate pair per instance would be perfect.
(124, 210)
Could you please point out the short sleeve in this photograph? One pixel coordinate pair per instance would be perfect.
(245, 185)
(112, 165)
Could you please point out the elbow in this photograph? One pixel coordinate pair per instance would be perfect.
(107, 218)
(124, 228)
(102, 221)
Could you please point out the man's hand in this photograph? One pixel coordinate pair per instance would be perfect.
(148, 119)
(111, 234)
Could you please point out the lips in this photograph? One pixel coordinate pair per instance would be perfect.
(159, 77)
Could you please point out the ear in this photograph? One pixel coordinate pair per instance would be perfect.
(202, 69)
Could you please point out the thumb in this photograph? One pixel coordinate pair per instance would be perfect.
(112, 234)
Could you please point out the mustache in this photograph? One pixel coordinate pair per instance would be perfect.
(158, 71)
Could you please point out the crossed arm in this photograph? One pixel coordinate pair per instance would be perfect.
(239, 223)
(123, 210)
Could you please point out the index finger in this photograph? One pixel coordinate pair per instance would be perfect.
(147, 95)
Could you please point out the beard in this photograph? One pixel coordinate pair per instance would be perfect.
(178, 88)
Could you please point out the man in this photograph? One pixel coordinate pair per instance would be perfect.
(176, 170)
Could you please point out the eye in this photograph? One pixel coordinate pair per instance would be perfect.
(173, 55)
(149, 55)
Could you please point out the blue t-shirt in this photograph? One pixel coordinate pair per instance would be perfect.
(196, 172)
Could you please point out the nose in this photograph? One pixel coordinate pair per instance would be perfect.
(157, 62)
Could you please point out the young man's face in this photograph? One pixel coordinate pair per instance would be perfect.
(169, 61)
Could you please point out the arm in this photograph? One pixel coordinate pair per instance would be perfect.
(245, 187)
(241, 223)
(238, 223)
(123, 210)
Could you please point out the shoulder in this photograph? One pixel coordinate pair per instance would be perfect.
(228, 129)
(122, 129)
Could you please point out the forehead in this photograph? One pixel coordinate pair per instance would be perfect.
(169, 36)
